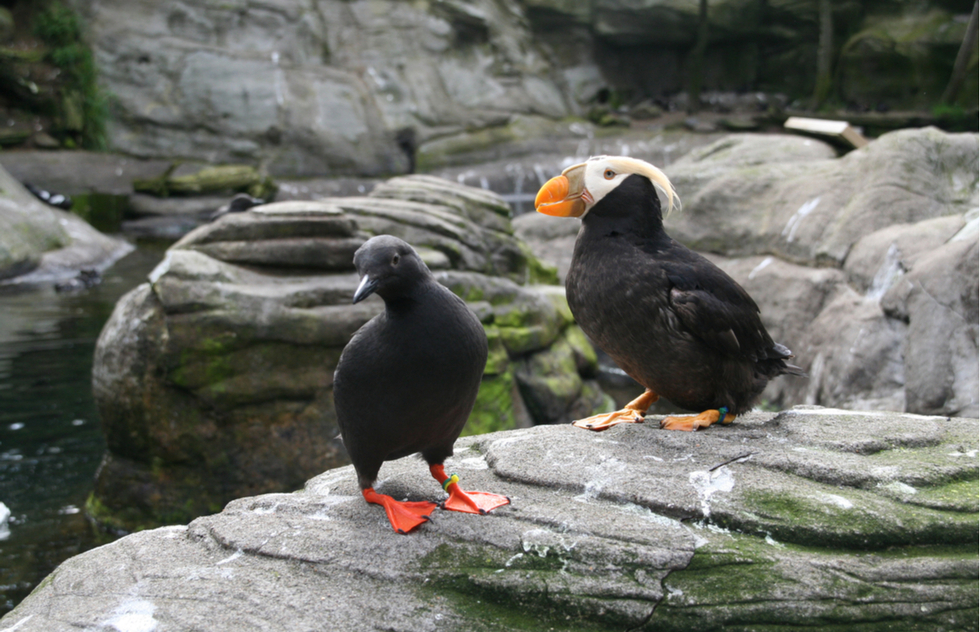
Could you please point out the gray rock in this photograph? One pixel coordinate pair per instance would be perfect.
(143, 205)
(940, 297)
(75, 172)
(876, 259)
(752, 195)
(327, 88)
(43, 244)
(214, 379)
(550, 240)
(636, 528)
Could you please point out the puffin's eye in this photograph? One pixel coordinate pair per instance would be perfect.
(395, 260)
(609, 174)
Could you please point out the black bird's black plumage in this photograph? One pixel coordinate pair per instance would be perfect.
(670, 318)
(408, 379)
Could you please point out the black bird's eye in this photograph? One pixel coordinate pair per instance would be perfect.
(395, 260)
(609, 174)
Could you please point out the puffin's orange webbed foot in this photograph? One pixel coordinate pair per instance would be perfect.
(694, 422)
(466, 502)
(404, 516)
(632, 413)
(604, 421)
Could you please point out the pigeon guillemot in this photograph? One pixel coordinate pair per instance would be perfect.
(670, 318)
(407, 380)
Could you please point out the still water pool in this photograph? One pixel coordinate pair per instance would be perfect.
(50, 441)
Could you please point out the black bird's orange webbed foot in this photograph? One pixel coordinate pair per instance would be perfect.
(694, 422)
(404, 516)
(466, 502)
(632, 413)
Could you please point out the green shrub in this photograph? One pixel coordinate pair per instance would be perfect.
(83, 107)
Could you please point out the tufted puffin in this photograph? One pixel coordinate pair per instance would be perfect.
(407, 380)
(671, 319)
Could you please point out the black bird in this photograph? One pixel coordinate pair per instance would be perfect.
(86, 278)
(670, 318)
(241, 202)
(54, 199)
(407, 380)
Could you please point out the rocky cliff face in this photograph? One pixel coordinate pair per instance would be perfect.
(328, 87)
(812, 518)
(337, 87)
(214, 379)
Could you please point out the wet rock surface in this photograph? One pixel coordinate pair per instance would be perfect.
(214, 379)
(812, 516)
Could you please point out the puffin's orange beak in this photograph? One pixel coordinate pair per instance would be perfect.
(564, 195)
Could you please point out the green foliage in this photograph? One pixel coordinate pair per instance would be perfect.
(83, 106)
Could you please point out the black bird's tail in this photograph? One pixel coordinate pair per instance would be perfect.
(782, 354)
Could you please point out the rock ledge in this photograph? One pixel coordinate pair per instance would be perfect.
(812, 517)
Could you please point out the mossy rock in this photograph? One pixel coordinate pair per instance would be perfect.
(223, 179)
(623, 530)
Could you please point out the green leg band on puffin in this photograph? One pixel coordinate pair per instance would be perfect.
(695, 422)
(404, 516)
(466, 502)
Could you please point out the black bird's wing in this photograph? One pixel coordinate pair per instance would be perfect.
(716, 310)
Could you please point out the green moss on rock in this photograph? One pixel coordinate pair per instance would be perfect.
(494, 407)
(741, 582)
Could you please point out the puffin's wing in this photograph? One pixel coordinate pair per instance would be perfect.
(714, 308)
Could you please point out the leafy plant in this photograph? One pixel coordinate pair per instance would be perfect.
(83, 106)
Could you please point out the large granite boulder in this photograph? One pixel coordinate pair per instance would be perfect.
(43, 244)
(866, 265)
(812, 518)
(214, 379)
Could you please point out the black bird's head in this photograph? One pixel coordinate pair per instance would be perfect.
(389, 267)
(581, 187)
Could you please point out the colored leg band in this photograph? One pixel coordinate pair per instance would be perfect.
(449, 481)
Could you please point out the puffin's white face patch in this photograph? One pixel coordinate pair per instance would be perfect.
(605, 173)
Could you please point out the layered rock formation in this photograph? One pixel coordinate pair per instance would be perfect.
(214, 379)
(864, 265)
(810, 518)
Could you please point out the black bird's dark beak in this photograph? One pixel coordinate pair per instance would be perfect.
(365, 289)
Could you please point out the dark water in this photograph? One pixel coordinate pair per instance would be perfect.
(50, 441)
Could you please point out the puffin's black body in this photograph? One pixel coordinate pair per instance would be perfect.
(670, 318)
(408, 379)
